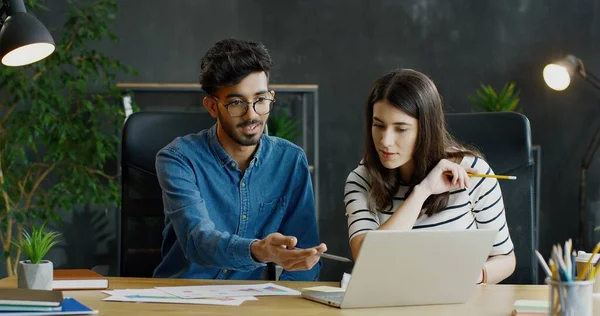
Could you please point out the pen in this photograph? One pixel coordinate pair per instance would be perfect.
(334, 257)
(573, 266)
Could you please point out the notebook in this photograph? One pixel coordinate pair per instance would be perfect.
(23, 308)
(30, 297)
(70, 306)
(530, 308)
(78, 279)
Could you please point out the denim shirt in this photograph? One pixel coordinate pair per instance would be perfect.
(213, 211)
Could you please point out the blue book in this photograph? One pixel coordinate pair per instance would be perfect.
(69, 306)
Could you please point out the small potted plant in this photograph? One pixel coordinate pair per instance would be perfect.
(36, 273)
(489, 100)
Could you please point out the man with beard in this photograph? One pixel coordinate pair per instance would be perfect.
(234, 198)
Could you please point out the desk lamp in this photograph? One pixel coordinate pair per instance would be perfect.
(23, 38)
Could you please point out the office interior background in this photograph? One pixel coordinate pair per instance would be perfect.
(343, 46)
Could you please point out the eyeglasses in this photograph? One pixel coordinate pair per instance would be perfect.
(237, 108)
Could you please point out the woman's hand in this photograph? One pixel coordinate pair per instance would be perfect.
(446, 176)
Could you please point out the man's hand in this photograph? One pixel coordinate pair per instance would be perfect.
(279, 249)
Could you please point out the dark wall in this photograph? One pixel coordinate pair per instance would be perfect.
(344, 45)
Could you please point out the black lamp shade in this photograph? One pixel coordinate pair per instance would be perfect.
(24, 40)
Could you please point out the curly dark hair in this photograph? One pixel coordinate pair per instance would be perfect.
(231, 60)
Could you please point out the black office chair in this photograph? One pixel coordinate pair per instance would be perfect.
(142, 216)
(505, 141)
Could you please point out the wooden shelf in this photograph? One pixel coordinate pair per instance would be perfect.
(196, 87)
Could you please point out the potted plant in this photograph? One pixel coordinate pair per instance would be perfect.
(283, 126)
(35, 272)
(489, 100)
(60, 121)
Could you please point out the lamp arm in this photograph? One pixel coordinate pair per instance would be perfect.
(14, 6)
(593, 146)
(3, 11)
(586, 160)
(591, 149)
(595, 143)
(590, 77)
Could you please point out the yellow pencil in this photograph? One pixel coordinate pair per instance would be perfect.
(483, 175)
(496, 176)
(595, 273)
(588, 264)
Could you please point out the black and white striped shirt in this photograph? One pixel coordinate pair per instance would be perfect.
(478, 206)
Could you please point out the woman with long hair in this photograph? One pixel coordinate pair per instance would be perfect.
(414, 174)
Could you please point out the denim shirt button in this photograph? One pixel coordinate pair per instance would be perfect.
(233, 165)
(243, 185)
(244, 217)
(225, 271)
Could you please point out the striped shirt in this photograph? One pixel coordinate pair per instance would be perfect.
(478, 206)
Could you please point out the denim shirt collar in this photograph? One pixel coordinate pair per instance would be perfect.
(222, 156)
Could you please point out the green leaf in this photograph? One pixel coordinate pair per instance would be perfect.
(64, 116)
(484, 97)
(283, 126)
(506, 97)
(513, 105)
(36, 245)
(502, 92)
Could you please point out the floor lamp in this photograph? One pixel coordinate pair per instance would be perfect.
(557, 76)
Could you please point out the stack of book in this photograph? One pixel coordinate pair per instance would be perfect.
(78, 279)
(38, 302)
(530, 307)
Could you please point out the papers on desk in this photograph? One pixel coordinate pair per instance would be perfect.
(204, 291)
(156, 296)
(229, 295)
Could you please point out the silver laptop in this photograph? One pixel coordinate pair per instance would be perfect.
(417, 267)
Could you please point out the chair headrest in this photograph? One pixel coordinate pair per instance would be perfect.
(147, 132)
(503, 137)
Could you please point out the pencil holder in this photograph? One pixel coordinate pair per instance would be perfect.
(581, 262)
(571, 298)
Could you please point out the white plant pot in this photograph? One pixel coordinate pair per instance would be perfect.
(35, 276)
